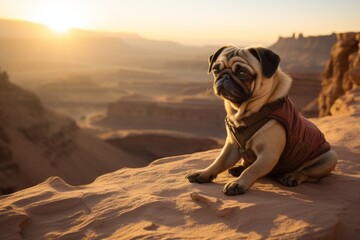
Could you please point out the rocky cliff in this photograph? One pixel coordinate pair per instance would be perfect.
(342, 72)
(36, 143)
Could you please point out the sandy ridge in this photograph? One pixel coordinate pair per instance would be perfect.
(156, 202)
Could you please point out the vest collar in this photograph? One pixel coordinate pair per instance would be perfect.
(261, 114)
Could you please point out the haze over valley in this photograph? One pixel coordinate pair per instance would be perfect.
(134, 94)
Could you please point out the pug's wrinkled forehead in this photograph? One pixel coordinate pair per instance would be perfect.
(254, 59)
(233, 57)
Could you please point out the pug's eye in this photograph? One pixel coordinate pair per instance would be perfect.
(243, 74)
(216, 69)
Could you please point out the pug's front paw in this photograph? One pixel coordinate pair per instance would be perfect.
(233, 188)
(200, 177)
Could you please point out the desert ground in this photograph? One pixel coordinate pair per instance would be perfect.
(157, 202)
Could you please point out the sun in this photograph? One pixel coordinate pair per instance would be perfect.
(58, 22)
(60, 17)
(58, 26)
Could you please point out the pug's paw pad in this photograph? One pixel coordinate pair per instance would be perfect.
(233, 188)
(199, 177)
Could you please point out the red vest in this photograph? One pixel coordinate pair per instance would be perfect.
(304, 141)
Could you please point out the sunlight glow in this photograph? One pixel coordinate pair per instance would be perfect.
(58, 26)
(60, 17)
(200, 22)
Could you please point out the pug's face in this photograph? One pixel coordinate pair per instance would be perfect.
(242, 73)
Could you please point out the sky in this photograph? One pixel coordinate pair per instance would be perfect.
(193, 22)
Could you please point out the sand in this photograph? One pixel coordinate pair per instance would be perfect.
(157, 202)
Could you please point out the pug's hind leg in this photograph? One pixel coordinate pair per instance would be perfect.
(293, 179)
(321, 166)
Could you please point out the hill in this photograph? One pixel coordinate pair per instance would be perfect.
(36, 143)
(26, 46)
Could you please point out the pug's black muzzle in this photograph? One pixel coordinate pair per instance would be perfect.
(230, 87)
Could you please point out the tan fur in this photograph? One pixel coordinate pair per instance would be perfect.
(269, 142)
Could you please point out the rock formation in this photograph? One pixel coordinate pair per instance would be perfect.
(36, 143)
(304, 54)
(342, 71)
(352, 75)
(348, 104)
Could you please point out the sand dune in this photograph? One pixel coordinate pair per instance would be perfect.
(157, 202)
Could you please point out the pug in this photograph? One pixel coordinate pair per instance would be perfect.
(265, 132)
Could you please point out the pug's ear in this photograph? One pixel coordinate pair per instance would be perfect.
(213, 58)
(268, 59)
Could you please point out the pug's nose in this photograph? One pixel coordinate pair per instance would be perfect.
(225, 77)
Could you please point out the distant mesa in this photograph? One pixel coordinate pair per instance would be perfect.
(301, 54)
(198, 116)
